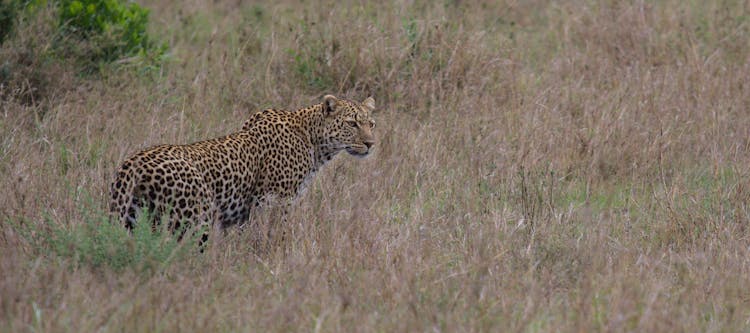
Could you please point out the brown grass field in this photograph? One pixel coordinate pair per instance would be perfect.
(568, 166)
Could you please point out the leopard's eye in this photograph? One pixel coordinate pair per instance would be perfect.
(372, 124)
(352, 123)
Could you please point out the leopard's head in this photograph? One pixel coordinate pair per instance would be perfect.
(349, 124)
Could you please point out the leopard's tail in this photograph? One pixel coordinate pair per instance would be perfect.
(123, 193)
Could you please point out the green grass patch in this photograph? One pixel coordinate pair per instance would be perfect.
(601, 197)
(97, 242)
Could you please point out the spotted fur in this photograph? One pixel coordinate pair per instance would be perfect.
(221, 180)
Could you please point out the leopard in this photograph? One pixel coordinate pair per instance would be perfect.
(219, 182)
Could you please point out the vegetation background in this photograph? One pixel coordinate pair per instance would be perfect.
(541, 166)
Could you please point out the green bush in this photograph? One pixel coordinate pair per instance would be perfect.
(116, 28)
(96, 242)
(44, 41)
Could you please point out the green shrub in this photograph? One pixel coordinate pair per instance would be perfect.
(96, 242)
(43, 43)
(117, 29)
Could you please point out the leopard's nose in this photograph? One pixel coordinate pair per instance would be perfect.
(369, 144)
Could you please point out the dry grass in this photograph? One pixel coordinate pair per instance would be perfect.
(574, 166)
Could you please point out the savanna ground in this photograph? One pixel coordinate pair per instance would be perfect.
(541, 166)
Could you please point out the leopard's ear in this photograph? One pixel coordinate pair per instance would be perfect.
(369, 102)
(330, 103)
